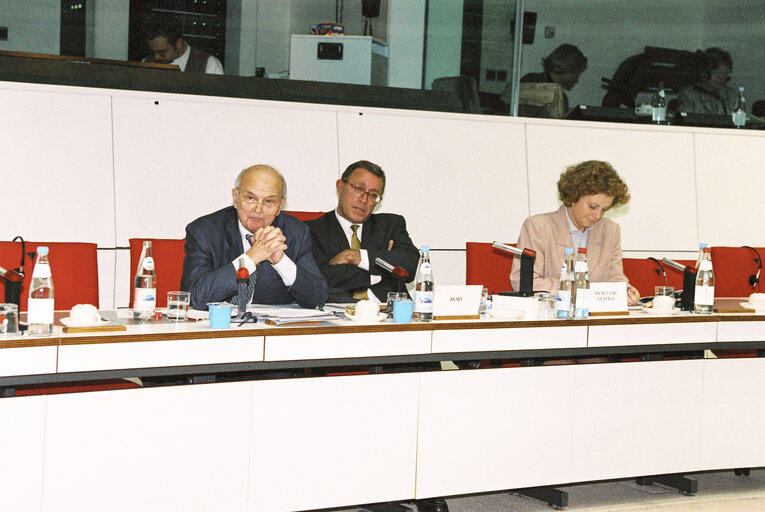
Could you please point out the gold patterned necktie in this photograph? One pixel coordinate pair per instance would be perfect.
(356, 245)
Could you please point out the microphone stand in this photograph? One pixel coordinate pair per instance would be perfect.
(526, 287)
(689, 283)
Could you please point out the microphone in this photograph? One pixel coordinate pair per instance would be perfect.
(663, 272)
(11, 275)
(689, 283)
(395, 270)
(526, 284)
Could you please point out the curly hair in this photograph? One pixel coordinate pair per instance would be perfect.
(590, 178)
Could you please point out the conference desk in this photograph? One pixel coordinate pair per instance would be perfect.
(317, 442)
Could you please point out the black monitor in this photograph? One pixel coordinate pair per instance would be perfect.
(609, 114)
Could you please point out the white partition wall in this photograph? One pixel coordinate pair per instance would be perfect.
(22, 432)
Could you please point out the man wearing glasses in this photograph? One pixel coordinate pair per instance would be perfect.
(347, 241)
(274, 246)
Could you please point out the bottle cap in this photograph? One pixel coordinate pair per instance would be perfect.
(740, 89)
(425, 248)
(569, 250)
(583, 250)
(702, 245)
(42, 250)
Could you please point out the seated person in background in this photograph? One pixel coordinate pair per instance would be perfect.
(164, 37)
(275, 247)
(346, 241)
(563, 66)
(711, 94)
(587, 190)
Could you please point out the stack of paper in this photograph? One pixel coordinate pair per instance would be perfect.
(289, 314)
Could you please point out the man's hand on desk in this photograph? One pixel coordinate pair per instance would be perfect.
(347, 257)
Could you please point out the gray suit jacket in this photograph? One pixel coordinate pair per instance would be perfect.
(214, 241)
(548, 235)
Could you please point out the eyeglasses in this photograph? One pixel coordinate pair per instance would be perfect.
(267, 204)
(360, 193)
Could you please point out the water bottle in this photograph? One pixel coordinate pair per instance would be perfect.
(701, 254)
(582, 288)
(704, 299)
(423, 288)
(145, 294)
(659, 104)
(739, 111)
(563, 301)
(40, 306)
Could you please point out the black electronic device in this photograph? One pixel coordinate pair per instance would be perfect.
(754, 279)
(607, 114)
(329, 51)
(689, 283)
(704, 120)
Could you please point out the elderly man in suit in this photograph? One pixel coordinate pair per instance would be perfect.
(587, 190)
(347, 241)
(274, 246)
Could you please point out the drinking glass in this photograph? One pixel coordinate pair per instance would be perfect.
(9, 320)
(393, 297)
(178, 305)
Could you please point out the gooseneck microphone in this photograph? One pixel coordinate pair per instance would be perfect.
(393, 269)
(11, 275)
(661, 271)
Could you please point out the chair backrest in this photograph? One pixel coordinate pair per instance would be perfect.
(488, 266)
(733, 267)
(73, 265)
(168, 256)
(645, 274)
(304, 215)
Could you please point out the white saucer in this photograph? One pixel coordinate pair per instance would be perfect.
(506, 314)
(367, 320)
(759, 311)
(652, 311)
(71, 323)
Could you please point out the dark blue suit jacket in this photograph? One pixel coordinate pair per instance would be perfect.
(329, 240)
(214, 241)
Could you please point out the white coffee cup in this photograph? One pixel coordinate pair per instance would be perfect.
(757, 300)
(367, 309)
(84, 314)
(663, 303)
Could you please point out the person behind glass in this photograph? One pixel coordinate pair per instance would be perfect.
(587, 190)
(711, 94)
(164, 37)
(563, 66)
(274, 246)
(347, 241)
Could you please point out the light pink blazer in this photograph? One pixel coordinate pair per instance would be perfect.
(548, 235)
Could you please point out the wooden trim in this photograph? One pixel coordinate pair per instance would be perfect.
(89, 60)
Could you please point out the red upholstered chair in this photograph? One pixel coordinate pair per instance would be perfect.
(304, 215)
(733, 268)
(644, 274)
(488, 266)
(168, 256)
(74, 266)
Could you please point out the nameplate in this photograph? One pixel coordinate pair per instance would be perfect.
(456, 302)
(608, 298)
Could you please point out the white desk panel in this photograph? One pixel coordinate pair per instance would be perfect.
(171, 448)
(729, 183)
(652, 334)
(211, 140)
(27, 360)
(635, 419)
(336, 441)
(22, 443)
(112, 356)
(734, 414)
(656, 162)
(486, 430)
(510, 339)
(455, 178)
(57, 147)
(740, 331)
(330, 346)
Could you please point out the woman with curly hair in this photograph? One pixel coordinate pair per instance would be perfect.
(587, 190)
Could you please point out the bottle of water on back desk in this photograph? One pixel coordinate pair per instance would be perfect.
(40, 306)
(739, 111)
(145, 292)
(424, 288)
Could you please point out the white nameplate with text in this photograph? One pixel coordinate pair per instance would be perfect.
(457, 301)
(608, 297)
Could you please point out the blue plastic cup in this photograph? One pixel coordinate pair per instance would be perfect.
(402, 311)
(220, 315)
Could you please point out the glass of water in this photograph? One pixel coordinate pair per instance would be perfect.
(178, 305)
(9, 320)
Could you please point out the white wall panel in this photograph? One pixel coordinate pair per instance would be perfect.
(106, 272)
(56, 150)
(123, 279)
(172, 448)
(176, 157)
(731, 180)
(448, 267)
(455, 178)
(347, 440)
(22, 432)
(656, 163)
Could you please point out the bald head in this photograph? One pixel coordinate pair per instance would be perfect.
(259, 195)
